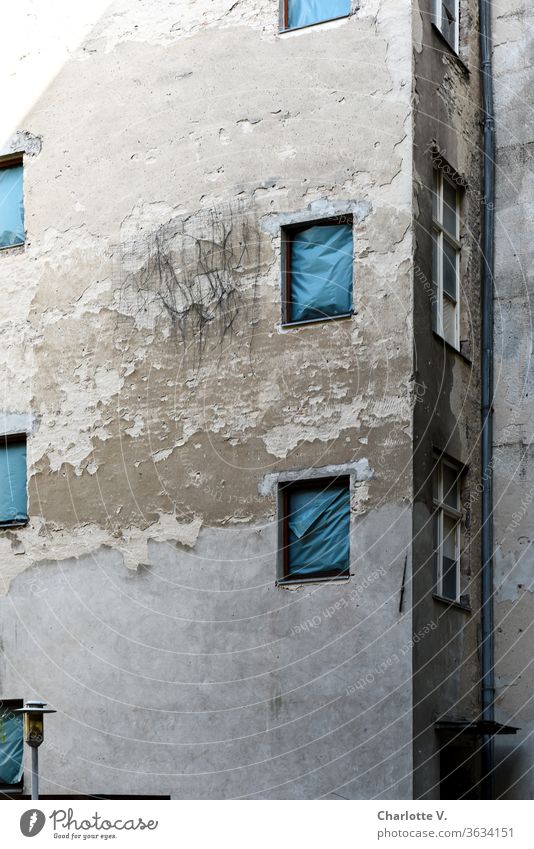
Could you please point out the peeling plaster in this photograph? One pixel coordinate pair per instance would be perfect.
(102, 373)
(69, 438)
(321, 208)
(335, 419)
(23, 142)
(143, 457)
(39, 545)
(167, 529)
(359, 471)
(165, 22)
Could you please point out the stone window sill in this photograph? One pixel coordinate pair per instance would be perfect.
(12, 249)
(286, 582)
(286, 325)
(450, 603)
(7, 526)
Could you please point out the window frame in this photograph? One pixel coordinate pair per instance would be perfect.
(6, 789)
(5, 440)
(441, 509)
(284, 15)
(15, 160)
(344, 219)
(440, 234)
(438, 23)
(284, 491)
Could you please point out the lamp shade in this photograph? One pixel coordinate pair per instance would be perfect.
(33, 713)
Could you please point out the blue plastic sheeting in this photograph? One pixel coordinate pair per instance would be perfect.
(321, 272)
(302, 13)
(11, 747)
(319, 526)
(13, 496)
(11, 207)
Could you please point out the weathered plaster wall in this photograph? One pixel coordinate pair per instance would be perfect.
(513, 23)
(170, 138)
(447, 417)
(196, 677)
(132, 165)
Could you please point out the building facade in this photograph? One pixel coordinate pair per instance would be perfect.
(513, 466)
(241, 403)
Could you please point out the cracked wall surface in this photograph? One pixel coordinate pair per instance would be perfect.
(513, 459)
(98, 359)
(140, 332)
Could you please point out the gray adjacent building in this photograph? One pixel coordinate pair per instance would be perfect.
(240, 468)
(513, 462)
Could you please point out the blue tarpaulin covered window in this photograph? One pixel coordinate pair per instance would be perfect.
(13, 492)
(316, 529)
(11, 207)
(302, 13)
(11, 747)
(318, 272)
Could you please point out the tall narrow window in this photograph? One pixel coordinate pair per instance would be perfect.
(447, 516)
(11, 203)
(446, 259)
(446, 18)
(303, 13)
(13, 490)
(315, 529)
(318, 270)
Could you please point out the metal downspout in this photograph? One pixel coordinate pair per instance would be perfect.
(488, 224)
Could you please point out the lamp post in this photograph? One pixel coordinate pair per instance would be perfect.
(33, 713)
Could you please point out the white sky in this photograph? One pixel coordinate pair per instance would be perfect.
(36, 38)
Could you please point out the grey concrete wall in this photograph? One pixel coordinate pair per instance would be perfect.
(195, 677)
(513, 23)
(171, 145)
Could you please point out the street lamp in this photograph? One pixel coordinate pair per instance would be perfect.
(33, 713)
